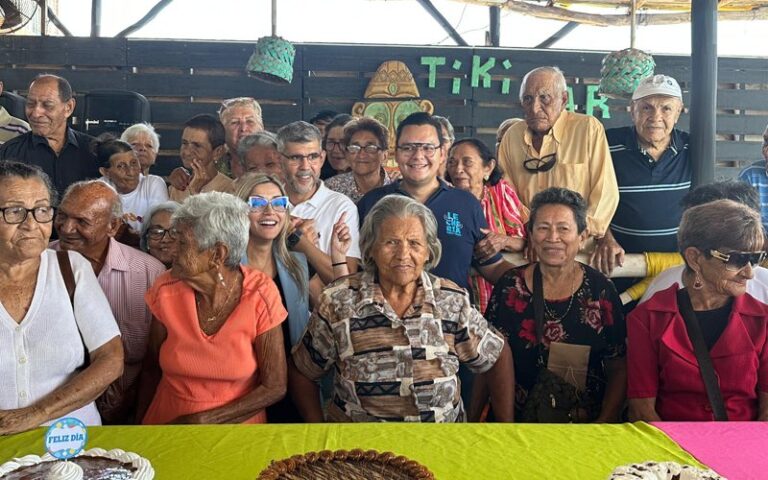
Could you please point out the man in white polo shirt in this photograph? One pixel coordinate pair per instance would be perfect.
(302, 157)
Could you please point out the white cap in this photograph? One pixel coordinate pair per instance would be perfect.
(657, 85)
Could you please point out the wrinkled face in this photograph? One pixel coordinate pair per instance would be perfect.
(721, 280)
(400, 250)
(240, 121)
(334, 149)
(466, 169)
(263, 159)
(417, 167)
(84, 221)
(542, 102)
(301, 166)
(190, 263)
(145, 151)
(655, 117)
(267, 223)
(364, 163)
(123, 171)
(162, 248)
(46, 113)
(195, 146)
(555, 235)
(26, 240)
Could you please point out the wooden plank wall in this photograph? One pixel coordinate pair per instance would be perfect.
(183, 78)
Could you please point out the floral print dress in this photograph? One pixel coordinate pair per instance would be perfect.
(593, 318)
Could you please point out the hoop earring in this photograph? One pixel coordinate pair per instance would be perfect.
(698, 284)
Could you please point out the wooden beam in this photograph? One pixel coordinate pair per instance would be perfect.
(432, 10)
(148, 17)
(567, 28)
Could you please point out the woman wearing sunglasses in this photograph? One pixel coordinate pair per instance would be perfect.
(706, 329)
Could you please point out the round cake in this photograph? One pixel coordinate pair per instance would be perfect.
(662, 471)
(93, 464)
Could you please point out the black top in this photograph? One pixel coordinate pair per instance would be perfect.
(713, 322)
(74, 163)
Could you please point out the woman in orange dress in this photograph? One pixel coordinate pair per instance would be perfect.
(216, 344)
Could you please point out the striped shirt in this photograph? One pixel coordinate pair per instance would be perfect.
(650, 191)
(756, 176)
(10, 126)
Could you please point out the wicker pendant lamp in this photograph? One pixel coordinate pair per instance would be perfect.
(272, 58)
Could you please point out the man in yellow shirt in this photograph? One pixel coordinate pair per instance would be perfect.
(557, 148)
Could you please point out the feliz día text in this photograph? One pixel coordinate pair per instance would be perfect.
(75, 437)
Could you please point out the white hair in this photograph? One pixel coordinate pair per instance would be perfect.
(138, 128)
(560, 84)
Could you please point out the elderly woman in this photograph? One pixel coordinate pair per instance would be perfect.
(563, 322)
(43, 369)
(156, 233)
(119, 165)
(395, 334)
(216, 337)
(366, 142)
(472, 167)
(707, 315)
(333, 143)
(258, 154)
(145, 142)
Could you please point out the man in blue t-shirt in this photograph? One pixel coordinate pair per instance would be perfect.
(757, 176)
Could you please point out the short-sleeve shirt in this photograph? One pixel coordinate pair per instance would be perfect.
(75, 162)
(391, 368)
(345, 183)
(756, 176)
(43, 352)
(650, 191)
(219, 183)
(459, 220)
(150, 191)
(10, 126)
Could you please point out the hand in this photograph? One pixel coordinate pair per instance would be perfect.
(19, 420)
(307, 227)
(608, 254)
(341, 239)
(179, 178)
(191, 419)
(530, 252)
(200, 177)
(490, 245)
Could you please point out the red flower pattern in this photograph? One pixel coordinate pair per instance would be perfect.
(528, 331)
(607, 310)
(515, 300)
(554, 332)
(591, 315)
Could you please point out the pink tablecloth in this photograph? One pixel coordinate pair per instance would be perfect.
(735, 450)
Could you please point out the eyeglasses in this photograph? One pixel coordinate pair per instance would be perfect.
(330, 145)
(410, 149)
(735, 261)
(278, 204)
(369, 149)
(159, 233)
(17, 215)
(543, 164)
(312, 158)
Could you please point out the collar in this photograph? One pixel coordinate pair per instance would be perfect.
(442, 185)
(556, 132)
(675, 142)
(71, 139)
(370, 293)
(666, 301)
(115, 259)
(316, 200)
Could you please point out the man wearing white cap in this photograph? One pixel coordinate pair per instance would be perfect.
(653, 170)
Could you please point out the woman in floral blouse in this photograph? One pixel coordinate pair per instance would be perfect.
(580, 306)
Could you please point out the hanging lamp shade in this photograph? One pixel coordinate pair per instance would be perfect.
(272, 60)
(622, 71)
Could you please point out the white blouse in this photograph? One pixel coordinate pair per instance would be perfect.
(42, 353)
(151, 191)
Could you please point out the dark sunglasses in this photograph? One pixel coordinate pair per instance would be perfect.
(543, 164)
(278, 204)
(735, 261)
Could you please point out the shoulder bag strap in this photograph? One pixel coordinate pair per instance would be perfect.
(702, 356)
(538, 303)
(66, 271)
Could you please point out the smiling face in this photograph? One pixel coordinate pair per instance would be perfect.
(364, 163)
(542, 102)
(400, 251)
(334, 149)
(717, 278)
(163, 249)
(417, 168)
(239, 122)
(302, 176)
(123, 171)
(26, 240)
(655, 117)
(84, 220)
(46, 113)
(267, 223)
(555, 236)
(466, 169)
(145, 151)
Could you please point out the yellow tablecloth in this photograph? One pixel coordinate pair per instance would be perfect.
(463, 451)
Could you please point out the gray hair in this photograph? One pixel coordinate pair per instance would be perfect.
(258, 139)
(240, 102)
(169, 207)
(398, 206)
(14, 169)
(446, 124)
(138, 128)
(298, 132)
(560, 84)
(720, 224)
(117, 204)
(217, 217)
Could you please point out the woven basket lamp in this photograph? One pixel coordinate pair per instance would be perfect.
(272, 58)
(622, 71)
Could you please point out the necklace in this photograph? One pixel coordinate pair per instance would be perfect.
(551, 314)
(218, 313)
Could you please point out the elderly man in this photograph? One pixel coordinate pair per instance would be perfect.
(557, 148)
(63, 153)
(87, 219)
(240, 117)
(653, 170)
(757, 176)
(258, 153)
(10, 126)
(202, 144)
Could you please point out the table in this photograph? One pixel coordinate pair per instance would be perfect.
(454, 451)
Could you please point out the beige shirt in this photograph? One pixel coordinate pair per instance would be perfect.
(219, 183)
(583, 165)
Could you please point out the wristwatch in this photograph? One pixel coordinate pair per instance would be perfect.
(293, 238)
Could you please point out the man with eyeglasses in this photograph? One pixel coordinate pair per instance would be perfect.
(757, 176)
(241, 117)
(87, 219)
(557, 148)
(315, 206)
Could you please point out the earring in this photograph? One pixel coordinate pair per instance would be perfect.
(221, 279)
(486, 177)
(697, 282)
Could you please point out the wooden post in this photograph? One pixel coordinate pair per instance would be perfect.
(703, 112)
(43, 16)
(95, 18)
(495, 13)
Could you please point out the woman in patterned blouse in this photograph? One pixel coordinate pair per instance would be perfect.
(472, 167)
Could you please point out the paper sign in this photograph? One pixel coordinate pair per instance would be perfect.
(65, 438)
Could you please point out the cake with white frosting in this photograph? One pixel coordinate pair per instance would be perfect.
(662, 471)
(93, 464)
